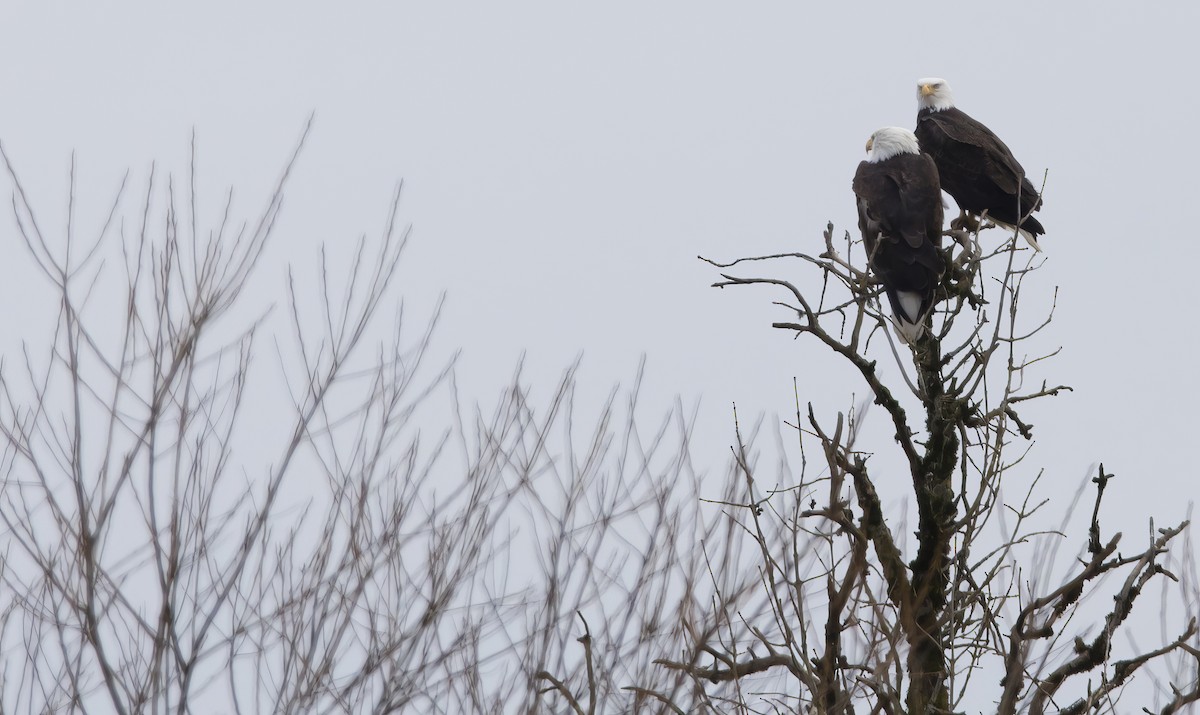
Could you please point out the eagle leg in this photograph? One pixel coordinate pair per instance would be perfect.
(965, 221)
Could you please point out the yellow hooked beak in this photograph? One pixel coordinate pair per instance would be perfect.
(870, 143)
(926, 90)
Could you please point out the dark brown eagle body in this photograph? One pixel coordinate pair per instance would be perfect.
(975, 166)
(900, 217)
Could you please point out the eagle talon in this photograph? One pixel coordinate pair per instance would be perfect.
(965, 223)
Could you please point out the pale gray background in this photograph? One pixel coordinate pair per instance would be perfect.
(565, 163)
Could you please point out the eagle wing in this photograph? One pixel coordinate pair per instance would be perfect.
(900, 217)
(900, 200)
(971, 152)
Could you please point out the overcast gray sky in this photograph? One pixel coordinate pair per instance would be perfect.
(565, 163)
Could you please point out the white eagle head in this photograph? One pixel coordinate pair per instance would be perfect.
(934, 93)
(890, 141)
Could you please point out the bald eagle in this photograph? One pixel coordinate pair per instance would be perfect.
(976, 168)
(900, 216)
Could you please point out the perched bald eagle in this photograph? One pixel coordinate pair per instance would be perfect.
(900, 216)
(976, 168)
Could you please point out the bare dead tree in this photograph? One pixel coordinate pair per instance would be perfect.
(893, 628)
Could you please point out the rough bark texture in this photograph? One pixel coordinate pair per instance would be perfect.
(935, 503)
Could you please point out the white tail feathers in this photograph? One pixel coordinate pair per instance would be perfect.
(910, 303)
(906, 331)
(1029, 237)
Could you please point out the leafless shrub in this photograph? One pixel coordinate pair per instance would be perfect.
(180, 535)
